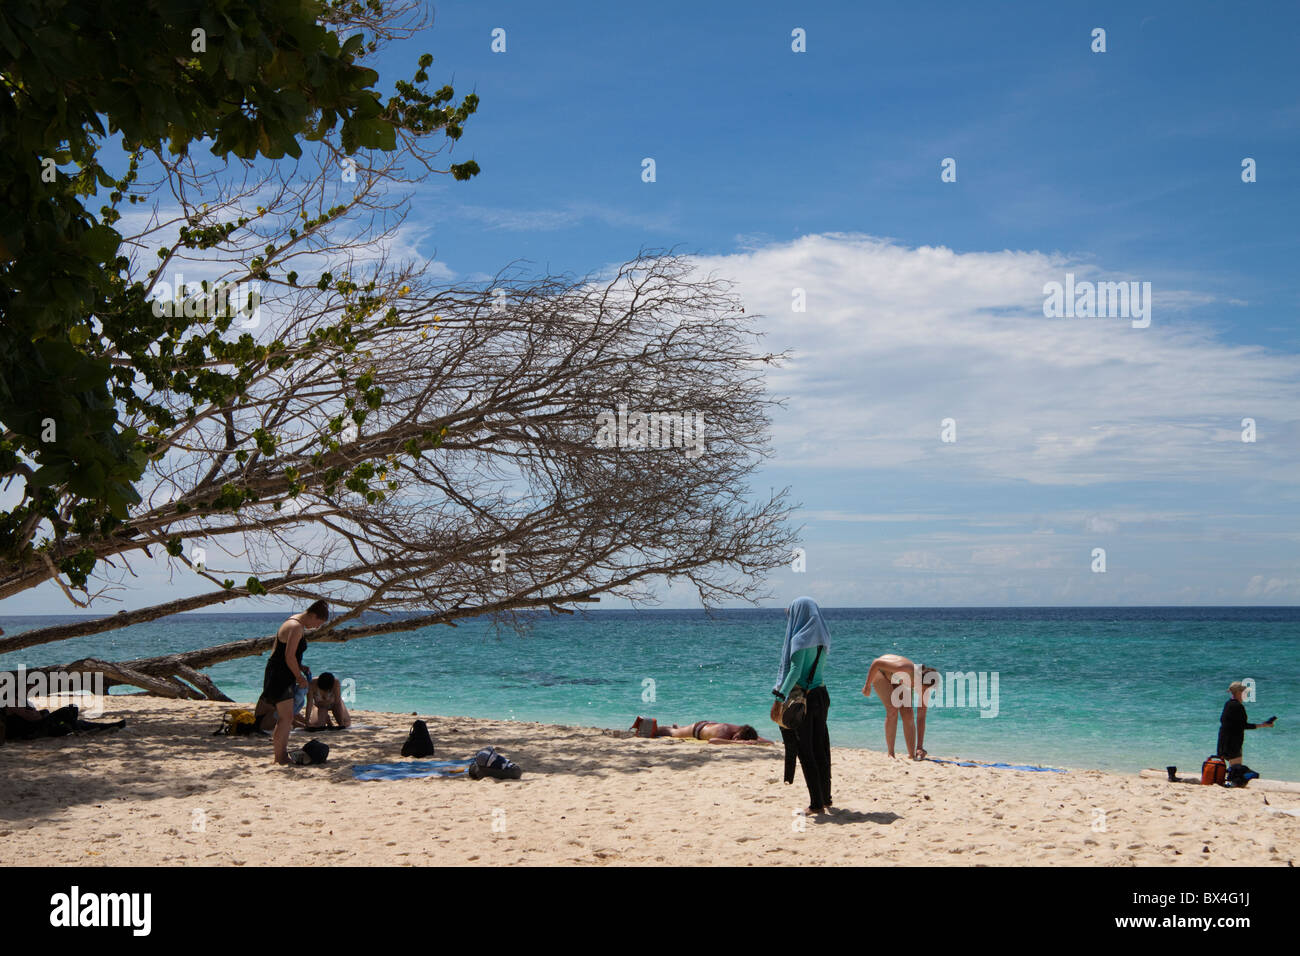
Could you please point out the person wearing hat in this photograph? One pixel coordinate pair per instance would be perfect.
(1232, 730)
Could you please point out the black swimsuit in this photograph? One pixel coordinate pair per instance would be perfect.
(279, 682)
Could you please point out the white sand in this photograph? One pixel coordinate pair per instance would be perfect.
(164, 791)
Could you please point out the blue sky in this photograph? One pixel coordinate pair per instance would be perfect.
(821, 171)
(1129, 157)
(1125, 163)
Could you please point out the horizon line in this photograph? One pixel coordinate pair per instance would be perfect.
(825, 607)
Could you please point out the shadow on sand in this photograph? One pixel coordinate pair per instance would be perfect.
(161, 755)
(857, 816)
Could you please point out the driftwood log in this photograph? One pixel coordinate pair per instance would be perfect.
(164, 676)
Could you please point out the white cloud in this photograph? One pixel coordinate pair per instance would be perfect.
(1098, 525)
(995, 556)
(568, 216)
(896, 339)
(1263, 586)
(870, 518)
(922, 561)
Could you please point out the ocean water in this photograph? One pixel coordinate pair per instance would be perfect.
(1108, 688)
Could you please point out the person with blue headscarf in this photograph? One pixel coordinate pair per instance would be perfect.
(803, 660)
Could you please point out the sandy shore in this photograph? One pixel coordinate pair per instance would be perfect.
(138, 796)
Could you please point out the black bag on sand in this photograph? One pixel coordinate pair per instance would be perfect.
(313, 751)
(316, 751)
(418, 742)
(61, 722)
(489, 763)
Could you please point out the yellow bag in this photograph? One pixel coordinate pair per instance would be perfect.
(236, 722)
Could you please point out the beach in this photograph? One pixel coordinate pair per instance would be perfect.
(1063, 676)
(165, 792)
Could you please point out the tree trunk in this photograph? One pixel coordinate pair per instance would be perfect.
(165, 675)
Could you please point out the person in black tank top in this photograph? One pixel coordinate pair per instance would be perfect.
(279, 680)
(284, 672)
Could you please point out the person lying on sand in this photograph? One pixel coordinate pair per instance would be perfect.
(712, 731)
(323, 695)
(895, 680)
(28, 723)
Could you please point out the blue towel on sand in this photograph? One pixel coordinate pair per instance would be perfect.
(411, 769)
(997, 766)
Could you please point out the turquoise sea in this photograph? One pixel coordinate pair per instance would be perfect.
(1109, 688)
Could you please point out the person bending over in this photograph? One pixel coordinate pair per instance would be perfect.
(895, 679)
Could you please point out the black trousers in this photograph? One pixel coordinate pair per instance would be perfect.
(812, 745)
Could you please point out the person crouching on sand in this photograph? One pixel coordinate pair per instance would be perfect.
(803, 659)
(1232, 730)
(325, 697)
(284, 672)
(895, 679)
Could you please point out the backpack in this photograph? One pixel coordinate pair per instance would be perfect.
(1239, 775)
(418, 742)
(489, 763)
(236, 723)
(61, 722)
(1214, 770)
(313, 751)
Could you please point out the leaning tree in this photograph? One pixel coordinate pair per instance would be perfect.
(348, 425)
(440, 449)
